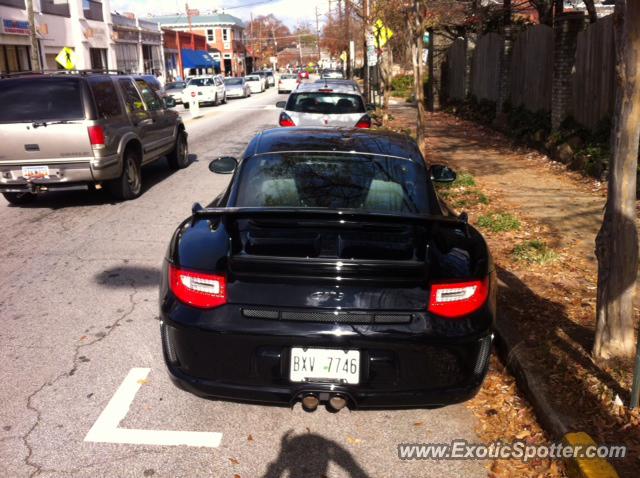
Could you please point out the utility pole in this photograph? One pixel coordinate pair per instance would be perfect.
(186, 8)
(300, 49)
(35, 51)
(253, 50)
(318, 32)
(347, 14)
(367, 80)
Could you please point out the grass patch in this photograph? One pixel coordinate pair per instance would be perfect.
(462, 192)
(534, 252)
(499, 222)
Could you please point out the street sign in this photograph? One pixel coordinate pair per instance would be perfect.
(66, 58)
(343, 56)
(382, 34)
(372, 51)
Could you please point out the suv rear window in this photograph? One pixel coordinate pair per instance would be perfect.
(40, 99)
(105, 96)
(325, 103)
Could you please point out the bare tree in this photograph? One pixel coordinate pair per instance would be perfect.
(617, 240)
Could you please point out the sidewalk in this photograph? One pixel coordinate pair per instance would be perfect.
(546, 311)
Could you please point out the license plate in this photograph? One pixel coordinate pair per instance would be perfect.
(35, 172)
(308, 365)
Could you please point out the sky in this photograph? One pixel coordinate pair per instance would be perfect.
(289, 11)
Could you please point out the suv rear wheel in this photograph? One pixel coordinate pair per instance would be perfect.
(179, 157)
(129, 184)
(19, 198)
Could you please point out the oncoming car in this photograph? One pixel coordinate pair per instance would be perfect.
(256, 83)
(328, 272)
(237, 87)
(287, 83)
(206, 88)
(317, 104)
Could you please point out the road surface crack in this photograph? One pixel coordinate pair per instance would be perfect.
(76, 361)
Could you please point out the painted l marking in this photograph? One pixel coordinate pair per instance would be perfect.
(106, 428)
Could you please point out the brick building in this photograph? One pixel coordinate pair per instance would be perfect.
(225, 37)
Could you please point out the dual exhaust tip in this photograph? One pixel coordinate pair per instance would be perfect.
(311, 401)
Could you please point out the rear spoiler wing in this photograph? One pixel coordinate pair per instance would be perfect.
(199, 211)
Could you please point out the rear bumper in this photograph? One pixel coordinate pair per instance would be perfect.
(62, 174)
(222, 354)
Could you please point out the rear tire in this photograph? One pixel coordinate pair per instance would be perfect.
(186, 106)
(224, 99)
(129, 184)
(19, 199)
(179, 157)
(216, 101)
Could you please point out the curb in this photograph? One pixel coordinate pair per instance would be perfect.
(508, 345)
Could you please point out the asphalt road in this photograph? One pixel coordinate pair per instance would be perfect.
(79, 280)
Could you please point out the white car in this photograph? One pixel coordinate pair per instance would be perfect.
(287, 83)
(207, 88)
(335, 106)
(256, 83)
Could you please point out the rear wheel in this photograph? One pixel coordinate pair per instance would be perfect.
(186, 106)
(224, 99)
(216, 101)
(19, 198)
(129, 184)
(179, 157)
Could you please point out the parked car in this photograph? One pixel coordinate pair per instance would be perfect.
(256, 83)
(313, 104)
(175, 90)
(237, 87)
(287, 83)
(303, 74)
(264, 77)
(207, 88)
(64, 131)
(332, 74)
(328, 271)
(270, 77)
(329, 82)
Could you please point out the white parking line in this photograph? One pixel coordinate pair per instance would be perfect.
(106, 428)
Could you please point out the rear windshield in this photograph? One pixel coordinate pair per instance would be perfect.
(289, 77)
(325, 103)
(201, 82)
(252, 78)
(175, 86)
(40, 99)
(334, 181)
(233, 81)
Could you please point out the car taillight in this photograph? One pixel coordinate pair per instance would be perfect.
(457, 299)
(96, 137)
(285, 120)
(204, 291)
(364, 122)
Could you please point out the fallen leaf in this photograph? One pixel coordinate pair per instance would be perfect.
(353, 441)
(143, 381)
(418, 424)
(250, 438)
(234, 461)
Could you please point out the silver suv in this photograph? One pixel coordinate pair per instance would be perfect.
(68, 131)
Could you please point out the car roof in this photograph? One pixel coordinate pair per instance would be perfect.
(334, 87)
(350, 140)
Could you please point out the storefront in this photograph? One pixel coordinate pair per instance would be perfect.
(151, 39)
(126, 36)
(14, 46)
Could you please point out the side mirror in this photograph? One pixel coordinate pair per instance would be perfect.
(223, 165)
(442, 174)
(281, 104)
(169, 101)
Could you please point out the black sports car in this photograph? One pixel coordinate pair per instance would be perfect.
(328, 271)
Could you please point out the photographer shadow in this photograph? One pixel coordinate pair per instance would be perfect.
(308, 456)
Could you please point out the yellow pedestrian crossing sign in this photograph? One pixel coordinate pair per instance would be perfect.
(381, 33)
(66, 58)
(343, 56)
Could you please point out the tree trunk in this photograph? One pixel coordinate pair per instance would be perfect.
(617, 240)
(418, 72)
(591, 9)
(386, 62)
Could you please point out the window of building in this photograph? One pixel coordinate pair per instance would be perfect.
(13, 3)
(55, 7)
(98, 58)
(211, 35)
(14, 58)
(105, 96)
(92, 9)
(225, 35)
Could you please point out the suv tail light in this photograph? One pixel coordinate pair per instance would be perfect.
(457, 299)
(204, 291)
(285, 120)
(96, 137)
(364, 122)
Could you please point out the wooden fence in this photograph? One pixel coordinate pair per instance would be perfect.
(485, 67)
(532, 68)
(455, 65)
(594, 79)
